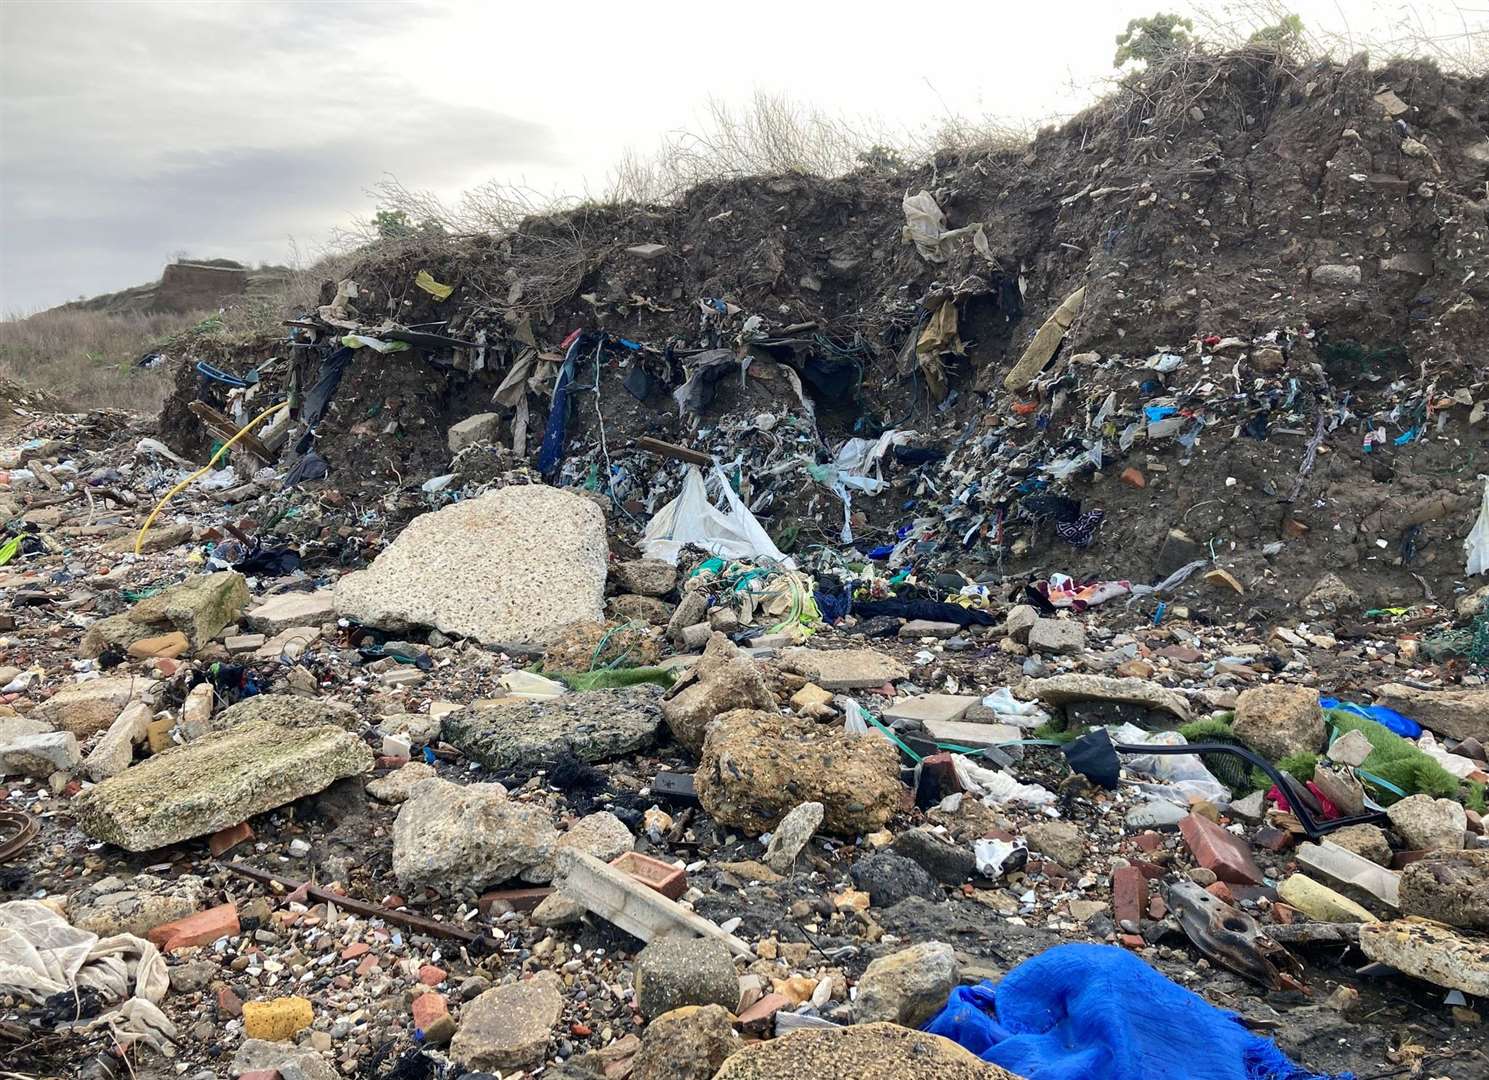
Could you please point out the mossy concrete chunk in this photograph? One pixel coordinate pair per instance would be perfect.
(218, 780)
(199, 607)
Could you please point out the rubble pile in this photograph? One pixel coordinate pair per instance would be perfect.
(1029, 626)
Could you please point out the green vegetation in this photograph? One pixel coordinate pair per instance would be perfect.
(1153, 39)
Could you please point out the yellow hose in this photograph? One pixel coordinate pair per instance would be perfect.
(223, 449)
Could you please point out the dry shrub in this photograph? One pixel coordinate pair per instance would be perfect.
(86, 359)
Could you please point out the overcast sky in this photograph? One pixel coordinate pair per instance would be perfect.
(130, 132)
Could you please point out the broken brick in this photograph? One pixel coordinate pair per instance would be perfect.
(430, 975)
(351, 952)
(1219, 851)
(658, 876)
(1129, 896)
(224, 840)
(369, 962)
(228, 1003)
(1221, 891)
(1149, 841)
(428, 1008)
(203, 928)
(1273, 839)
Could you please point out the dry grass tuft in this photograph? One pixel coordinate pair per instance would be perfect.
(86, 359)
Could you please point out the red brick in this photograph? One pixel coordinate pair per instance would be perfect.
(225, 840)
(228, 1003)
(1133, 478)
(1402, 859)
(351, 952)
(1284, 914)
(1129, 895)
(1149, 841)
(764, 1009)
(1274, 840)
(260, 1074)
(658, 876)
(427, 1008)
(203, 928)
(1131, 941)
(940, 765)
(1221, 891)
(369, 962)
(1157, 909)
(430, 975)
(1151, 871)
(1215, 849)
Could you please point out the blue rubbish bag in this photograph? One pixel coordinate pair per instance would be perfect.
(1082, 1012)
(1390, 719)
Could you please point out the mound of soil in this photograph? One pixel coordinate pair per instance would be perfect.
(1310, 241)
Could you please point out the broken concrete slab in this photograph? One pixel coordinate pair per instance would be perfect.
(972, 736)
(1431, 951)
(1057, 637)
(510, 1027)
(289, 644)
(290, 710)
(284, 610)
(482, 427)
(1063, 689)
(218, 780)
(757, 766)
(1458, 714)
(620, 899)
(843, 669)
(514, 565)
(722, 679)
(39, 755)
(924, 707)
(598, 725)
(200, 607)
(114, 752)
(453, 837)
(87, 708)
(134, 905)
(644, 577)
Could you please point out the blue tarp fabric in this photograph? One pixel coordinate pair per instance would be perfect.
(1079, 1012)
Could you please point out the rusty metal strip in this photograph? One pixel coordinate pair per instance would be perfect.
(420, 923)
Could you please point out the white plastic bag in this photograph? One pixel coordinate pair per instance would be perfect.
(854, 722)
(1477, 543)
(996, 788)
(1010, 710)
(731, 532)
(1182, 777)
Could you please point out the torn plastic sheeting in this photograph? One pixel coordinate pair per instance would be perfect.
(359, 341)
(425, 280)
(1477, 541)
(998, 857)
(1010, 710)
(731, 532)
(704, 372)
(925, 226)
(41, 954)
(1182, 778)
(526, 684)
(1173, 581)
(938, 335)
(995, 788)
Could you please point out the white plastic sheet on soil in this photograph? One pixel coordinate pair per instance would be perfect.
(729, 531)
(1477, 543)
